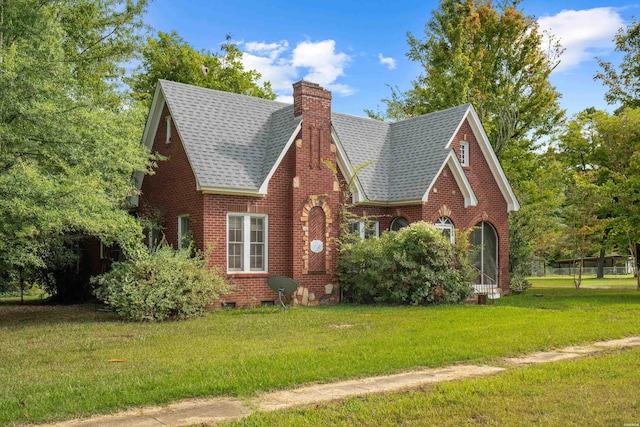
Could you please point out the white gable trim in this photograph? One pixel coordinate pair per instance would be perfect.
(470, 198)
(347, 168)
(490, 156)
(265, 184)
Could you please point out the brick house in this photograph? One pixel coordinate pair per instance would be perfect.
(249, 177)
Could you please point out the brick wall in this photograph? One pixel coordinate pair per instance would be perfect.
(172, 189)
(250, 289)
(446, 199)
(300, 187)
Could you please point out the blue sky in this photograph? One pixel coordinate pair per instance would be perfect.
(357, 48)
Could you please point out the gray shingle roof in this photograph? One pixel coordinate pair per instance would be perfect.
(407, 154)
(233, 141)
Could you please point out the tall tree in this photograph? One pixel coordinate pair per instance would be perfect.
(69, 141)
(490, 54)
(491, 57)
(624, 84)
(606, 148)
(170, 57)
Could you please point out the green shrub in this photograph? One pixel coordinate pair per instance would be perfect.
(518, 283)
(414, 266)
(165, 284)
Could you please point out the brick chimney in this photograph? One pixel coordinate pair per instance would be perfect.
(311, 98)
(315, 195)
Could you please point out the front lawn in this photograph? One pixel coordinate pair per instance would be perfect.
(594, 391)
(625, 282)
(67, 361)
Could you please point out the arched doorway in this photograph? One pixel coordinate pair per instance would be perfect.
(484, 254)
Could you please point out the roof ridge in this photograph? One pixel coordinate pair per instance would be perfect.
(423, 116)
(223, 92)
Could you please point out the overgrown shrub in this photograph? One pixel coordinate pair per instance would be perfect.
(518, 283)
(164, 284)
(414, 266)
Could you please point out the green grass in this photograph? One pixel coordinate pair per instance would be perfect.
(55, 359)
(595, 391)
(624, 282)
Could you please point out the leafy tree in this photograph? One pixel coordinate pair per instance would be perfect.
(69, 141)
(170, 57)
(492, 58)
(584, 227)
(624, 84)
(619, 155)
(536, 229)
(605, 149)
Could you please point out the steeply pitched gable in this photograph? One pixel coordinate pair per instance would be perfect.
(231, 140)
(405, 156)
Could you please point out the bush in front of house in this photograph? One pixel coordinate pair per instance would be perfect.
(518, 283)
(414, 266)
(165, 284)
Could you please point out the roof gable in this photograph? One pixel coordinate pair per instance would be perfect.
(406, 156)
(231, 140)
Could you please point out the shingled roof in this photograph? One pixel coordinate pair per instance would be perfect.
(234, 143)
(407, 155)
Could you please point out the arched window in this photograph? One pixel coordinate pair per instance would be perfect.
(484, 255)
(446, 226)
(399, 223)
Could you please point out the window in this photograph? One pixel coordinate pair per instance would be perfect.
(168, 135)
(464, 153)
(445, 225)
(246, 243)
(105, 251)
(365, 229)
(399, 223)
(184, 231)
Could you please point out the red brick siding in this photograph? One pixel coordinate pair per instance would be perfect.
(251, 288)
(172, 189)
(491, 207)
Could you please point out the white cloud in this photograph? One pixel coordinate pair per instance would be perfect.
(316, 62)
(269, 49)
(388, 61)
(583, 33)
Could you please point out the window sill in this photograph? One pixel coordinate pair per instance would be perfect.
(245, 274)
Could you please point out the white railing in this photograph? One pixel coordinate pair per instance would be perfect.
(488, 286)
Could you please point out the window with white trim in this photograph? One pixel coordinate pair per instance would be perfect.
(464, 153)
(167, 139)
(445, 225)
(365, 229)
(247, 243)
(184, 230)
